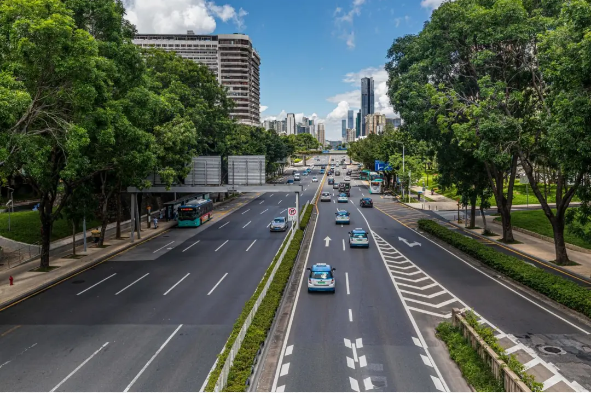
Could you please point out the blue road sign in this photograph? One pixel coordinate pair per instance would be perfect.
(379, 165)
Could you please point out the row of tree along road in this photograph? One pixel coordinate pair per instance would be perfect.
(492, 88)
(84, 113)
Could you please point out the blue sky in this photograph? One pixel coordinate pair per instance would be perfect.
(313, 52)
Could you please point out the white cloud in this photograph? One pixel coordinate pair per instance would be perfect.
(351, 40)
(177, 16)
(431, 4)
(353, 98)
(344, 22)
(337, 10)
(263, 108)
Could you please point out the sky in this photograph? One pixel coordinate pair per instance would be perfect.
(313, 52)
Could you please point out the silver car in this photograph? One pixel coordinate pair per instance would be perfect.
(325, 197)
(279, 224)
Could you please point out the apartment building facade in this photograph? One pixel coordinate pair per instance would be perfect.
(232, 59)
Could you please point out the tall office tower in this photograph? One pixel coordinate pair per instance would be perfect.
(291, 124)
(367, 101)
(350, 135)
(268, 124)
(344, 129)
(375, 123)
(230, 57)
(350, 119)
(320, 136)
(358, 125)
(312, 127)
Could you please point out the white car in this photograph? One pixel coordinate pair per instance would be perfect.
(343, 198)
(314, 179)
(325, 197)
(347, 178)
(321, 278)
(342, 217)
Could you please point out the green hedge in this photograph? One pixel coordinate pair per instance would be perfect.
(306, 218)
(240, 321)
(557, 288)
(475, 371)
(263, 319)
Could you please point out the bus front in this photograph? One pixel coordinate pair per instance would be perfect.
(188, 216)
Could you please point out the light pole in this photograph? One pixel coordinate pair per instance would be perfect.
(401, 177)
(10, 205)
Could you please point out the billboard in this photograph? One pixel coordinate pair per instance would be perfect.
(246, 170)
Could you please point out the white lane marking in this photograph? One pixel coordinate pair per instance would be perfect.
(354, 384)
(264, 211)
(347, 282)
(426, 361)
(152, 359)
(79, 367)
(422, 295)
(280, 202)
(348, 343)
(417, 342)
(362, 194)
(246, 224)
(284, 210)
(224, 225)
(408, 312)
(251, 244)
(334, 202)
(505, 286)
(444, 316)
(367, 383)
(261, 202)
(272, 194)
(350, 315)
(131, 284)
(268, 225)
(289, 350)
(193, 244)
(171, 288)
(284, 369)
(245, 211)
(354, 353)
(289, 324)
(163, 247)
(343, 244)
(96, 284)
(222, 245)
(286, 195)
(362, 361)
(280, 388)
(350, 363)
(216, 285)
(438, 385)
(359, 343)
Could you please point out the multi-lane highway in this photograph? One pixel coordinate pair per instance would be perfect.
(377, 331)
(151, 319)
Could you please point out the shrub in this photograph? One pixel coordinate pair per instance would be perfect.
(476, 372)
(555, 287)
(306, 218)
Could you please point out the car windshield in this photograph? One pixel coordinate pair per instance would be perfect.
(359, 235)
(321, 275)
(279, 220)
(325, 194)
(343, 213)
(343, 195)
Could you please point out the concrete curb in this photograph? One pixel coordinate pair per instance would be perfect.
(66, 276)
(551, 240)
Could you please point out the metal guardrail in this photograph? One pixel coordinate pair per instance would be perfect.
(20, 255)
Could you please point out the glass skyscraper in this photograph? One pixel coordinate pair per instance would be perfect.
(367, 101)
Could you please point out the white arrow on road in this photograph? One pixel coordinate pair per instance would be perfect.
(327, 240)
(409, 244)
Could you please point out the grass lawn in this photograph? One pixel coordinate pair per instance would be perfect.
(25, 227)
(536, 221)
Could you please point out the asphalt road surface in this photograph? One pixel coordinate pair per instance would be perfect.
(151, 319)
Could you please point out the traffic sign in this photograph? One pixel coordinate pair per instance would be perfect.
(292, 213)
(379, 165)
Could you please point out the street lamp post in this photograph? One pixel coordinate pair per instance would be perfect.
(401, 186)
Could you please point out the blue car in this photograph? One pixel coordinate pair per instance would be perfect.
(358, 238)
(321, 278)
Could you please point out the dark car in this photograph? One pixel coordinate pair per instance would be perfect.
(349, 172)
(279, 224)
(290, 181)
(330, 180)
(366, 202)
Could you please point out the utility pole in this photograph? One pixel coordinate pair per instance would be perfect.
(408, 186)
(10, 205)
(84, 228)
(403, 170)
(297, 210)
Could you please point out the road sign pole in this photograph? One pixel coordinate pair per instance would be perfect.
(297, 210)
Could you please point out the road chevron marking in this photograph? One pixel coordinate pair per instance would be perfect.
(445, 303)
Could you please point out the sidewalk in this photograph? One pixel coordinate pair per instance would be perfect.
(534, 246)
(27, 282)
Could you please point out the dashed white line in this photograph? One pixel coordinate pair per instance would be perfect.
(272, 195)
(350, 363)
(224, 225)
(268, 225)
(286, 195)
(359, 343)
(289, 350)
(264, 211)
(79, 367)
(354, 353)
(163, 247)
(171, 288)
(131, 284)
(426, 361)
(216, 285)
(347, 282)
(417, 342)
(348, 343)
(245, 211)
(284, 210)
(193, 244)
(280, 388)
(280, 202)
(438, 384)
(343, 244)
(284, 369)
(367, 383)
(96, 284)
(246, 224)
(152, 359)
(261, 202)
(354, 384)
(222, 245)
(251, 244)
(362, 361)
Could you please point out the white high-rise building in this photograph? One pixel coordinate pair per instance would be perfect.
(320, 135)
(291, 124)
(230, 57)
